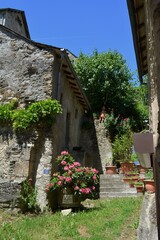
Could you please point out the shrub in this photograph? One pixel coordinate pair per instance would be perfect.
(82, 180)
(116, 125)
(27, 199)
(122, 147)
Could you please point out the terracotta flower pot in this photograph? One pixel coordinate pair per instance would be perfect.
(149, 185)
(127, 179)
(110, 169)
(130, 179)
(126, 167)
(139, 188)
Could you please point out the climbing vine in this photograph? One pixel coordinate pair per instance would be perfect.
(23, 119)
(6, 111)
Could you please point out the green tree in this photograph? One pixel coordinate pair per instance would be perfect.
(107, 80)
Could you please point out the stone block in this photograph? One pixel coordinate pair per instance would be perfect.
(21, 168)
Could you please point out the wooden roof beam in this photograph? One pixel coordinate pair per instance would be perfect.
(72, 83)
(64, 66)
(67, 72)
(77, 93)
(139, 8)
(69, 77)
(141, 25)
(142, 38)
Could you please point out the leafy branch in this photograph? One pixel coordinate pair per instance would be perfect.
(23, 119)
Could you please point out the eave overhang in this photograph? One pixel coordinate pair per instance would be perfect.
(136, 11)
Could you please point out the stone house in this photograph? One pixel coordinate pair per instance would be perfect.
(31, 71)
(145, 24)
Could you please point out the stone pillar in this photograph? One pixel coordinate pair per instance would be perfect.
(147, 229)
(44, 173)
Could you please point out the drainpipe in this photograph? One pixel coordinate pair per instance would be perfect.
(59, 76)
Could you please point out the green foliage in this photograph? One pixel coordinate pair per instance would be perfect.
(35, 113)
(31, 117)
(122, 147)
(134, 157)
(149, 174)
(27, 200)
(6, 111)
(104, 77)
(138, 184)
(116, 125)
(107, 80)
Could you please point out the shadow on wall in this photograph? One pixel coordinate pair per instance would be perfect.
(89, 142)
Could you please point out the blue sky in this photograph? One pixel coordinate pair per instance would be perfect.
(79, 25)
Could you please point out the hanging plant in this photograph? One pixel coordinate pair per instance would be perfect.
(23, 119)
(6, 112)
(37, 112)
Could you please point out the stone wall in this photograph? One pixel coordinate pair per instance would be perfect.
(148, 226)
(9, 192)
(148, 229)
(31, 74)
(25, 70)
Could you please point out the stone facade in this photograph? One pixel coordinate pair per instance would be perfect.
(145, 18)
(30, 72)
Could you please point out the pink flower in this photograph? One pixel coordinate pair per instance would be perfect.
(78, 170)
(77, 164)
(93, 188)
(94, 170)
(55, 174)
(68, 179)
(59, 183)
(64, 153)
(85, 190)
(69, 172)
(63, 162)
(71, 166)
(76, 188)
(66, 168)
(87, 170)
(94, 177)
(61, 178)
(49, 185)
(82, 190)
(88, 190)
(47, 189)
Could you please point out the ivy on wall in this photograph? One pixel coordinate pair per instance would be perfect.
(23, 119)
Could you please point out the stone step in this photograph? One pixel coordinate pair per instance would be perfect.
(118, 194)
(117, 189)
(111, 181)
(113, 186)
(111, 176)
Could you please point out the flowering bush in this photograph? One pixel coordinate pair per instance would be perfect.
(82, 180)
(116, 125)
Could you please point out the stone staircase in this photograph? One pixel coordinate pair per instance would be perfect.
(113, 186)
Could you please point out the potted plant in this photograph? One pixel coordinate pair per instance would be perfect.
(110, 167)
(149, 181)
(131, 183)
(139, 186)
(130, 178)
(73, 182)
(122, 151)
